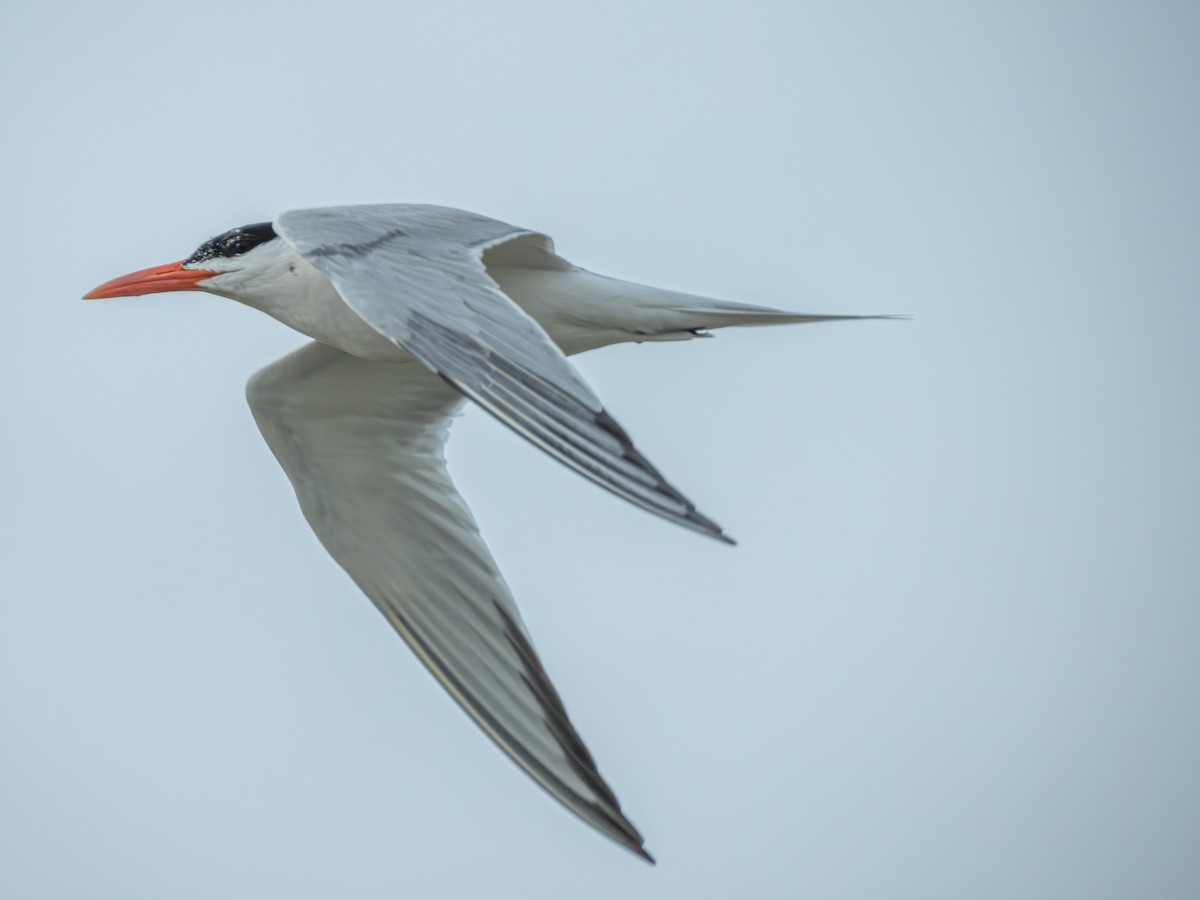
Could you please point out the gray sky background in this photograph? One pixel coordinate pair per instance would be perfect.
(955, 652)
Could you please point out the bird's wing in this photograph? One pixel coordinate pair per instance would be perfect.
(362, 443)
(416, 275)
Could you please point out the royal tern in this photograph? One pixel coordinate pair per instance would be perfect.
(412, 308)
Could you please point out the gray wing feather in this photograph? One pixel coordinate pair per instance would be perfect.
(416, 275)
(362, 443)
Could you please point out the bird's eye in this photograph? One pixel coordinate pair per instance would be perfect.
(238, 244)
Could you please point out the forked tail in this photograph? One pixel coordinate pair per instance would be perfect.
(669, 315)
(582, 310)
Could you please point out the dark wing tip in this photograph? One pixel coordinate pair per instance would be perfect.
(690, 516)
(602, 810)
(705, 525)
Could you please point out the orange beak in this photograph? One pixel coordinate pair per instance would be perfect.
(171, 277)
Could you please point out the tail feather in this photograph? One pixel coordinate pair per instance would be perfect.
(582, 310)
(722, 314)
(663, 312)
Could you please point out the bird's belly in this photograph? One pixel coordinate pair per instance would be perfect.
(325, 317)
(577, 310)
(350, 334)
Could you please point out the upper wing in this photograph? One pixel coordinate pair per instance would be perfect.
(362, 443)
(416, 275)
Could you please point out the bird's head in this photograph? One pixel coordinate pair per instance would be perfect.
(229, 264)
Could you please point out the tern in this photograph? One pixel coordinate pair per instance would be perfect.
(413, 308)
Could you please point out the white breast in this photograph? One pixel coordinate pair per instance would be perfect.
(287, 287)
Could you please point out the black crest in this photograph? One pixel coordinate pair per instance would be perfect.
(234, 242)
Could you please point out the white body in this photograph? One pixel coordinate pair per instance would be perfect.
(395, 297)
(579, 310)
(287, 287)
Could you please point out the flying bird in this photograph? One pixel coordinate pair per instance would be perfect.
(413, 308)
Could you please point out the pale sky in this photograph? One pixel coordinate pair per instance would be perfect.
(955, 653)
